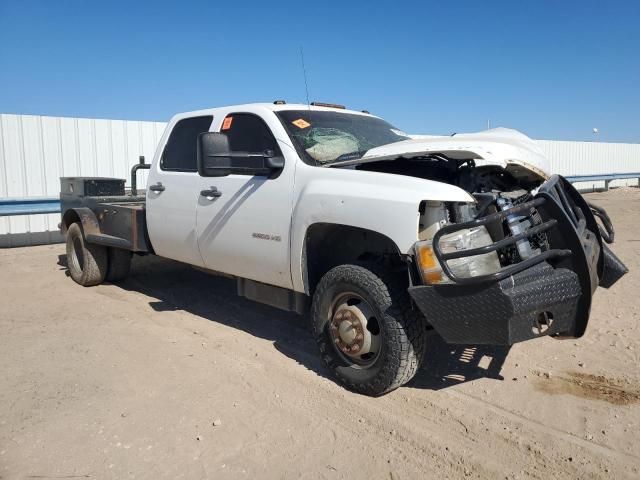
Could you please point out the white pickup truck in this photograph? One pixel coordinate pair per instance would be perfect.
(380, 237)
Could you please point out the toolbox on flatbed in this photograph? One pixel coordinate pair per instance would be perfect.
(92, 186)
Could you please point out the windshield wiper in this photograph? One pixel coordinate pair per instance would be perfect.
(350, 156)
(346, 158)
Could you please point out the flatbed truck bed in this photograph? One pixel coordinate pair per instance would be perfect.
(109, 215)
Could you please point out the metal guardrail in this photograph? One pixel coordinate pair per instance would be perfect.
(28, 206)
(605, 177)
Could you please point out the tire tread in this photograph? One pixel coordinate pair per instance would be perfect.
(94, 269)
(404, 326)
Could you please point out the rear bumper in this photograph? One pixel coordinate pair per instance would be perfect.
(551, 297)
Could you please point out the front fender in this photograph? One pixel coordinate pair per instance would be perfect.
(384, 203)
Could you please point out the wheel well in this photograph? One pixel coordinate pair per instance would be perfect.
(328, 245)
(69, 217)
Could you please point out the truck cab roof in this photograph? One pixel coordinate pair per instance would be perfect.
(274, 107)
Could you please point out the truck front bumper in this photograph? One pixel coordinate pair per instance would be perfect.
(552, 296)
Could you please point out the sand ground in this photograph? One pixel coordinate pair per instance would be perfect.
(127, 381)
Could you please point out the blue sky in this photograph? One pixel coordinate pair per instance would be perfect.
(552, 69)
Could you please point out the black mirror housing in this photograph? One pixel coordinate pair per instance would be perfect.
(215, 158)
(210, 145)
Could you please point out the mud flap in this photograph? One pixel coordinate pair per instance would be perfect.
(614, 269)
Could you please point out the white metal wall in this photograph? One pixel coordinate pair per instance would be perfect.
(592, 158)
(35, 151)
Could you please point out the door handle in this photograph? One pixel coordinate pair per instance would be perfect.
(158, 187)
(212, 192)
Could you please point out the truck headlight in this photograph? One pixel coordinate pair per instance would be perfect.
(466, 267)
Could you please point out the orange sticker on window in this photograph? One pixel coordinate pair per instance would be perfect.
(226, 124)
(301, 123)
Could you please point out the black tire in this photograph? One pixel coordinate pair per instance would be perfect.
(87, 262)
(402, 329)
(119, 264)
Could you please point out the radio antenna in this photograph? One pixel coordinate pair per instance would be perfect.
(304, 72)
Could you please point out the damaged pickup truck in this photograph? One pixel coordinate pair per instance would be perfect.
(382, 238)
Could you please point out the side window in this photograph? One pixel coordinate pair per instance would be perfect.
(248, 133)
(180, 152)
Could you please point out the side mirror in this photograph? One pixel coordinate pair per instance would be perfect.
(215, 158)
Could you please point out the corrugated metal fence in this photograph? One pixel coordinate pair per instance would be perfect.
(36, 150)
(592, 158)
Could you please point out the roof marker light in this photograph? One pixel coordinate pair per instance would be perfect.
(330, 105)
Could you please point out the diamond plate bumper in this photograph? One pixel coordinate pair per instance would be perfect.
(551, 297)
(539, 301)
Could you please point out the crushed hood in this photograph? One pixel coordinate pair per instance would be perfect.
(502, 147)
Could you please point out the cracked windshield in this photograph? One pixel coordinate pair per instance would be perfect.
(324, 138)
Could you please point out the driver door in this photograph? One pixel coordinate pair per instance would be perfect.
(245, 230)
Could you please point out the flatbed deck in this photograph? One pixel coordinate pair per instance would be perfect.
(109, 215)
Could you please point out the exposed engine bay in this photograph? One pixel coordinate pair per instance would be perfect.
(494, 188)
(461, 173)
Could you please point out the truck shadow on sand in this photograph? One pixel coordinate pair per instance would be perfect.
(174, 286)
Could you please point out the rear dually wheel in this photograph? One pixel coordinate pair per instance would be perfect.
(87, 262)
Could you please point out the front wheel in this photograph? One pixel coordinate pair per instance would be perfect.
(368, 334)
